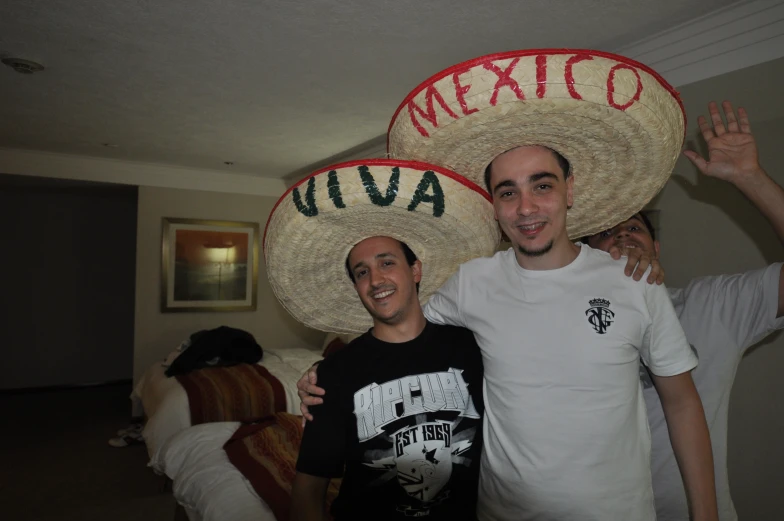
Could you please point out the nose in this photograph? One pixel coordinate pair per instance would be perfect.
(621, 233)
(376, 278)
(527, 205)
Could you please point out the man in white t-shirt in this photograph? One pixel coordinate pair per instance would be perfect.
(722, 316)
(562, 331)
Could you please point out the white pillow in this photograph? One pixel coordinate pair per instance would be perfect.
(191, 445)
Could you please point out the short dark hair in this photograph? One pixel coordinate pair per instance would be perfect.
(639, 215)
(411, 258)
(562, 162)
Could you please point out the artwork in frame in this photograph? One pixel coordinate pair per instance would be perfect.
(209, 265)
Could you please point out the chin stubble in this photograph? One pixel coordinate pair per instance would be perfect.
(535, 253)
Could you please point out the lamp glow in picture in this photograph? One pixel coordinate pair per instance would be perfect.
(209, 265)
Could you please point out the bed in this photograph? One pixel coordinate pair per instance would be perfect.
(165, 401)
(204, 482)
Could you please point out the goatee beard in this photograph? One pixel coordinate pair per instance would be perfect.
(535, 253)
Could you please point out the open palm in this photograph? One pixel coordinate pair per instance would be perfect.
(732, 151)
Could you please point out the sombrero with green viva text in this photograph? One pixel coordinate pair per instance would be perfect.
(444, 218)
(620, 125)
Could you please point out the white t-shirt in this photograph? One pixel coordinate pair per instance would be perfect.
(722, 317)
(566, 432)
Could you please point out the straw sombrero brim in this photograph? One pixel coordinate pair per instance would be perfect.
(620, 125)
(445, 220)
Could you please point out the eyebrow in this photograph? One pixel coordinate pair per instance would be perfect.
(508, 183)
(379, 256)
(542, 175)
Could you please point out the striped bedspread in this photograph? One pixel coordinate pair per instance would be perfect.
(242, 392)
(266, 454)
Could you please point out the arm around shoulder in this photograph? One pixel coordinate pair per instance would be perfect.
(444, 305)
(308, 498)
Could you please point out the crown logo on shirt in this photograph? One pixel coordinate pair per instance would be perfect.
(600, 316)
(599, 303)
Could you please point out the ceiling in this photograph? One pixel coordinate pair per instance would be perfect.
(275, 87)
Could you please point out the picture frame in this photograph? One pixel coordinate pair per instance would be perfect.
(209, 266)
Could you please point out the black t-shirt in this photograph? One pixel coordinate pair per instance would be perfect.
(405, 420)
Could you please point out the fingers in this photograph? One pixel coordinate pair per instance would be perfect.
(306, 416)
(645, 261)
(309, 401)
(697, 160)
(631, 262)
(705, 128)
(718, 124)
(743, 118)
(615, 252)
(312, 389)
(657, 273)
(660, 278)
(729, 113)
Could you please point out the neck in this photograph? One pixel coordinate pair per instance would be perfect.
(561, 254)
(405, 330)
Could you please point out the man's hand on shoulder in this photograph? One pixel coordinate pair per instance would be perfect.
(309, 393)
(637, 263)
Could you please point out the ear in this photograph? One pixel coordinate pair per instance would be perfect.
(569, 192)
(416, 269)
(656, 248)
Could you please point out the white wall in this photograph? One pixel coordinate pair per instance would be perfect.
(156, 333)
(708, 228)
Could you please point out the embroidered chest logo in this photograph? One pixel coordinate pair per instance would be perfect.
(600, 316)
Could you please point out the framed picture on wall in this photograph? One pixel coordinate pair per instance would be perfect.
(209, 265)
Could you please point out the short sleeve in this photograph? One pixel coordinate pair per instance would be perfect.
(323, 449)
(744, 305)
(444, 305)
(665, 350)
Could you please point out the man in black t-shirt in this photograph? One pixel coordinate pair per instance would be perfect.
(404, 430)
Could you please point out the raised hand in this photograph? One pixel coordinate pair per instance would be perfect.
(732, 151)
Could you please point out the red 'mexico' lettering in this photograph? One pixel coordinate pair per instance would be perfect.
(460, 92)
(611, 87)
(504, 80)
(569, 75)
(541, 75)
(430, 95)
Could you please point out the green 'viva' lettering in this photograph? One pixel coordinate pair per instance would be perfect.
(372, 188)
(334, 189)
(310, 210)
(429, 179)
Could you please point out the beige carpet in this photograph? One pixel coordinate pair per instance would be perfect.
(56, 464)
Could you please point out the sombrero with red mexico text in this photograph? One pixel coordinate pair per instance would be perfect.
(444, 218)
(620, 125)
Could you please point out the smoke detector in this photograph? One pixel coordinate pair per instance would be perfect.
(23, 66)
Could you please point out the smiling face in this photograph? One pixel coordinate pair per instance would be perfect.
(385, 282)
(630, 234)
(531, 196)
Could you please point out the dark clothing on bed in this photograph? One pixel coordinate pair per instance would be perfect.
(405, 421)
(219, 347)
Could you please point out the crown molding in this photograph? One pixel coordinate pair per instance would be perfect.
(84, 168)
(729, 39)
